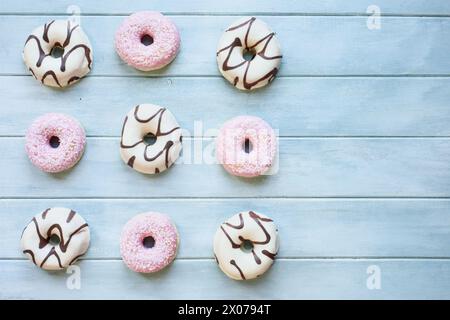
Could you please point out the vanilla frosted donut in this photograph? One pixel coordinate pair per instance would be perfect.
(250, 35)
(251, 229)
(158, 122)
(72, 231)
(75, 61)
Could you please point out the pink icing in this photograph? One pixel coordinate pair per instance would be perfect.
(71, 136)
(230, 143)
(165, 46)
(141, 259)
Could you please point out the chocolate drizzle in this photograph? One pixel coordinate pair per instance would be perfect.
(269, 254)
(32, 72)
(131, 161)
(257, 259)
(52, 252)
(70, 216)
(51, 73)
(232, 262)
(42, 54)
(45, 34)
(69, 33)
(233, 244)
(87, 54)
(31, 255)
(237, 43)
(44, 213)
(74, 78)
(240, 225)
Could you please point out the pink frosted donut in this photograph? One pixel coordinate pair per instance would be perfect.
(246, 146)
(147, 40)
(55, 142)
(149, 242)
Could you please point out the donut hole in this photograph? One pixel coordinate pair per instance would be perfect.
(148, 242)
(149, 139)
(54, 142)
(247, 246)
(248, 147)
(57, 51)
(249, 54)
(54, 240)
(146, 40)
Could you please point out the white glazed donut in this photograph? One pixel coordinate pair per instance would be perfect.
(145, 119)
(253, 228)
(254, 36)
(71, 229)
(75, 61)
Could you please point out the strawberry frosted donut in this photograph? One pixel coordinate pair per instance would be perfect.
(147, 40)
(55, 142)
(149, 242)
(246, 146)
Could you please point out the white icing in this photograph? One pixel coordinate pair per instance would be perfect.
(262, 68)
(76, 46)
(74, 238)
(161, 123)
(250, 226)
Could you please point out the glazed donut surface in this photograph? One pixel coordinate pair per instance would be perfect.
(70, 227)
(159, 122)
(254, 36)
(251, 227)
(75, 61)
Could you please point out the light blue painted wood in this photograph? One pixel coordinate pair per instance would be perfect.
(295, 106)
(338, 198)
(311, 45)
(196, 279)
(420, 7)
(308, 227)
(308, 168)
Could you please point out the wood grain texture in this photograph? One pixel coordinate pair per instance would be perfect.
(197, 279)
(307, 168)
(308, 227)
(295, 106)
(364, 169)
(310, 45)
(288, 7)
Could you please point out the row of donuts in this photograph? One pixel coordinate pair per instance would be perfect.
(57, 237)
(59, 53)
(151, 141)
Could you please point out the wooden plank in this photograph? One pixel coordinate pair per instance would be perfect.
(294, 106)
(421, 7)
(202, 279)
(315, 45)
(308, 227)
(309, 167)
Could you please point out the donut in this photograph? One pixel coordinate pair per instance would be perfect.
(246, 146)
(253, 37)
(148, 120)
(147, 40)
(245, 245)
(58, 53)
(149, 242)
(55, 142)
(69, 227)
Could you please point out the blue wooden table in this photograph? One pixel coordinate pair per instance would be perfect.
(362, 196)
